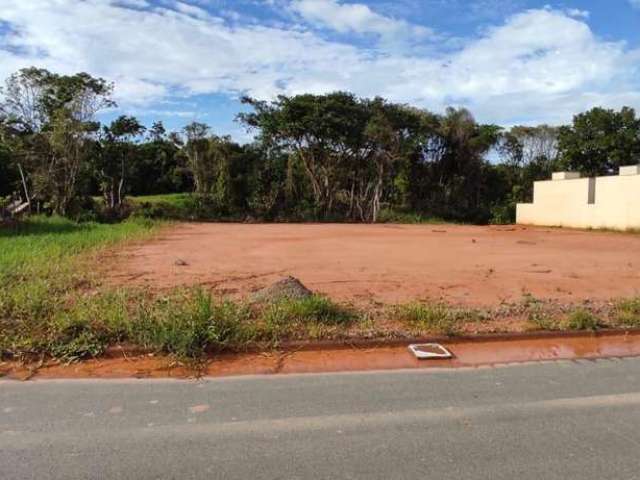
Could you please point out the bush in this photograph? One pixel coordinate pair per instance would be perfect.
(627, 313)
(582, 319)
(503, 214)
(395, 216)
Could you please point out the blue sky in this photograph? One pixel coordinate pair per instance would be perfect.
(508, 61)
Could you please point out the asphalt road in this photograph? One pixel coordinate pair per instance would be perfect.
(561, 420)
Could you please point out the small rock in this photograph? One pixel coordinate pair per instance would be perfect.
(181, 263)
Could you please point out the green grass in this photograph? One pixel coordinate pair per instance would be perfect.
(581, 319)
(435, 318)
(627, 313)
(394, 216)
(177, 206)
(539, 317)
(175, 199)
(542, 320)
(314, 317)
(42, 275)
(52, 304)
(45, 244)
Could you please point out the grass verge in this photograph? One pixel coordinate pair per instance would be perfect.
(437, 318)
(51, 304)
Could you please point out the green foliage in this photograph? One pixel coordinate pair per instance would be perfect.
(41, 279)
(450, 177)
(350, 148)
(176, 206)
(395, 216)
(9, 176)
(582, 319)
(332, 157)
(48, 120)
(600, 140)
(188, 324)
(627, 313)
(50, 304)
(112, 162)
(42, 245)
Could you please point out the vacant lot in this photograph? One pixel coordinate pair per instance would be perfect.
(465, 265)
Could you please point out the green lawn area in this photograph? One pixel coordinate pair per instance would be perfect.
(175, 206)
(174, 199)
(41, 244)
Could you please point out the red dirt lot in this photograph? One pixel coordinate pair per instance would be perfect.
(466, 265)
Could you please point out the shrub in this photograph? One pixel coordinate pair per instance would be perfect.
(627, 313)
(581, 319)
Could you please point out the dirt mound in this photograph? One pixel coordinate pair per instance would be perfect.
(287, 288)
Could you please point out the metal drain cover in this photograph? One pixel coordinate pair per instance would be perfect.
(424, 351)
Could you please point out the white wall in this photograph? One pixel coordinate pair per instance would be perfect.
(565, 202)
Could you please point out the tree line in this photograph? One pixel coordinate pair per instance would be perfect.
(332, 157)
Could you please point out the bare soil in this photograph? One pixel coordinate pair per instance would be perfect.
(388, 263)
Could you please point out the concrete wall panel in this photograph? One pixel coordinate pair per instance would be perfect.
(600, 202)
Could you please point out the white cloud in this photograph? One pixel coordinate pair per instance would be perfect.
(635, 3)
(538, 66)
(353, 17)
(577, 13)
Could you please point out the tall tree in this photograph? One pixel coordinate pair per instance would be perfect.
(348, 147)
(323, 132)
(448, 176)
(600, 140)
(51, 118)
(117, 148)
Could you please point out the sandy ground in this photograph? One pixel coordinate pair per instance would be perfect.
(467, 265)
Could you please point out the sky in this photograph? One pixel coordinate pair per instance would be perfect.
(508, 61)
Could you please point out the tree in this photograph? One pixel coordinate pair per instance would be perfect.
(67, 160)
(157, 132)
(600, 140)
(391, 133)
(51, 120)
(323, 132)
(114, 159)
(523, 145)
(210, 158)
(448, 175)
(159, 166)
(196, 149)
(9, 175)
(528, 154)
(348, 147)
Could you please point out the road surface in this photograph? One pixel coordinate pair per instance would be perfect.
(560, 420)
